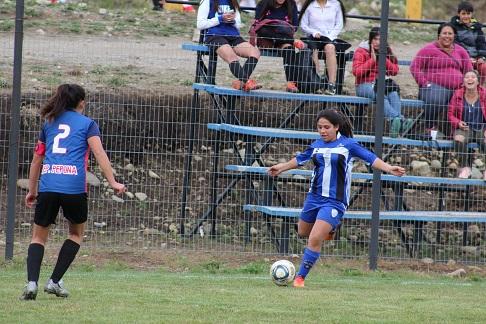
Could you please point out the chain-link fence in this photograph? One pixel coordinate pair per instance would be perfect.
(181, 192)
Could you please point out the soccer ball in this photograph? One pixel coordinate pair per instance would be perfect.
(282, 272)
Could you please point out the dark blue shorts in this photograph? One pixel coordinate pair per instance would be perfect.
(326, 209)
(216, 41)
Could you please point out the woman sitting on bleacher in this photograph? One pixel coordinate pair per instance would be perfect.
(323, 21)
(221, 21)
(281, 36)
(438, 68)
(467, 115)
(365, 69)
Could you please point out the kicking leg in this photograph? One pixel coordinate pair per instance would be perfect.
(319, 232)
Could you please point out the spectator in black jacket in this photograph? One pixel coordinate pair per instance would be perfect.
(471, 37)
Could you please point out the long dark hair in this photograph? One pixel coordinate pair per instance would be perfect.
(308, 2)
(337, 118)
(67, 96)
(215, 4)
(375, 31)
(447, 24)
(271, 4)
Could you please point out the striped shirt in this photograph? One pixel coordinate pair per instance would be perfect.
(333, 162)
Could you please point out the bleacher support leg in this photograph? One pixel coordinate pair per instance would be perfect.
(188, 158)
(249, 158)
(212, 64)
(214, 182)
(466, 209)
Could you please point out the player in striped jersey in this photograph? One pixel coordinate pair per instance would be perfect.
(328, 196)
(61, 160)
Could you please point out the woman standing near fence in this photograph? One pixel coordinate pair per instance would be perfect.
(322, 21)
(439, 68)
(281, 35)
(467, 115)
(333, 155)
(365, 69)
(60, 159)
(220, 19)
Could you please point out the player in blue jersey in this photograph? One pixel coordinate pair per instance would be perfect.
(60, 159)
(221, 21)
(328, 196)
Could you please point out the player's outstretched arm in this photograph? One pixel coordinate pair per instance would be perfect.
(34, 173)
(281, 167)
(385, 167)
(105, 165)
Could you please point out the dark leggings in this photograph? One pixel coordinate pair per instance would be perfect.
(436, 99)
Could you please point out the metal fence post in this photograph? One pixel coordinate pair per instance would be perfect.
(379, 118)
(13, 145)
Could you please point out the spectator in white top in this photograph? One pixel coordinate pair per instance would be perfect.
(322, 21)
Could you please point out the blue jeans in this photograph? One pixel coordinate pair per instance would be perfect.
(436, 99)
(393, 105)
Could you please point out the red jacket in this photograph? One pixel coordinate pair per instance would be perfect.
(456, 105)
(365, 69)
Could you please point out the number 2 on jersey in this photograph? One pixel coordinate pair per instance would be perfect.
(64, 132)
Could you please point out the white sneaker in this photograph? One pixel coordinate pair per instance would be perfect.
(331, 89)
(56, 288)
(30, 291)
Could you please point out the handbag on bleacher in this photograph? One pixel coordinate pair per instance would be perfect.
(390, 86)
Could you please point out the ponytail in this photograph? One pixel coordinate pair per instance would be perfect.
(337, 118)
(67, 96)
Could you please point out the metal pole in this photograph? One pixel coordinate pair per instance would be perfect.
(379, 119)
(13, 145)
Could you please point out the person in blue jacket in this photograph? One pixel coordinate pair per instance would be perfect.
(221, 21)
(328, 197)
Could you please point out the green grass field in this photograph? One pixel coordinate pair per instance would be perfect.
(116, 294)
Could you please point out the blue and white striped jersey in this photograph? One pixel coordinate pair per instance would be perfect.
(333, 162)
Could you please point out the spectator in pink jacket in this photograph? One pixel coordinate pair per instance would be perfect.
(438, 69)
(467, 115)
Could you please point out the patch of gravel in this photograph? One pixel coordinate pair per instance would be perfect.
(150, 63)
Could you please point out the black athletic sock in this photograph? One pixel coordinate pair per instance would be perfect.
(238, 71)
(249, 66)
(66, 256)
(290, 64)
(35, 254)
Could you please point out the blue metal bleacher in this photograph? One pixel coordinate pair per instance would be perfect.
(407, 179)
(423, 216)
(227, 96)
(306, 135)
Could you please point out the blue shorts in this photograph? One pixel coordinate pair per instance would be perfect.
(326, 209)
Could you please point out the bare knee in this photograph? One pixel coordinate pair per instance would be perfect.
(315, 243)
(255, 52)
(303, 233)
(40, 234)
(459, 138)
(76, 232)
(330, 50)
(227, 54)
